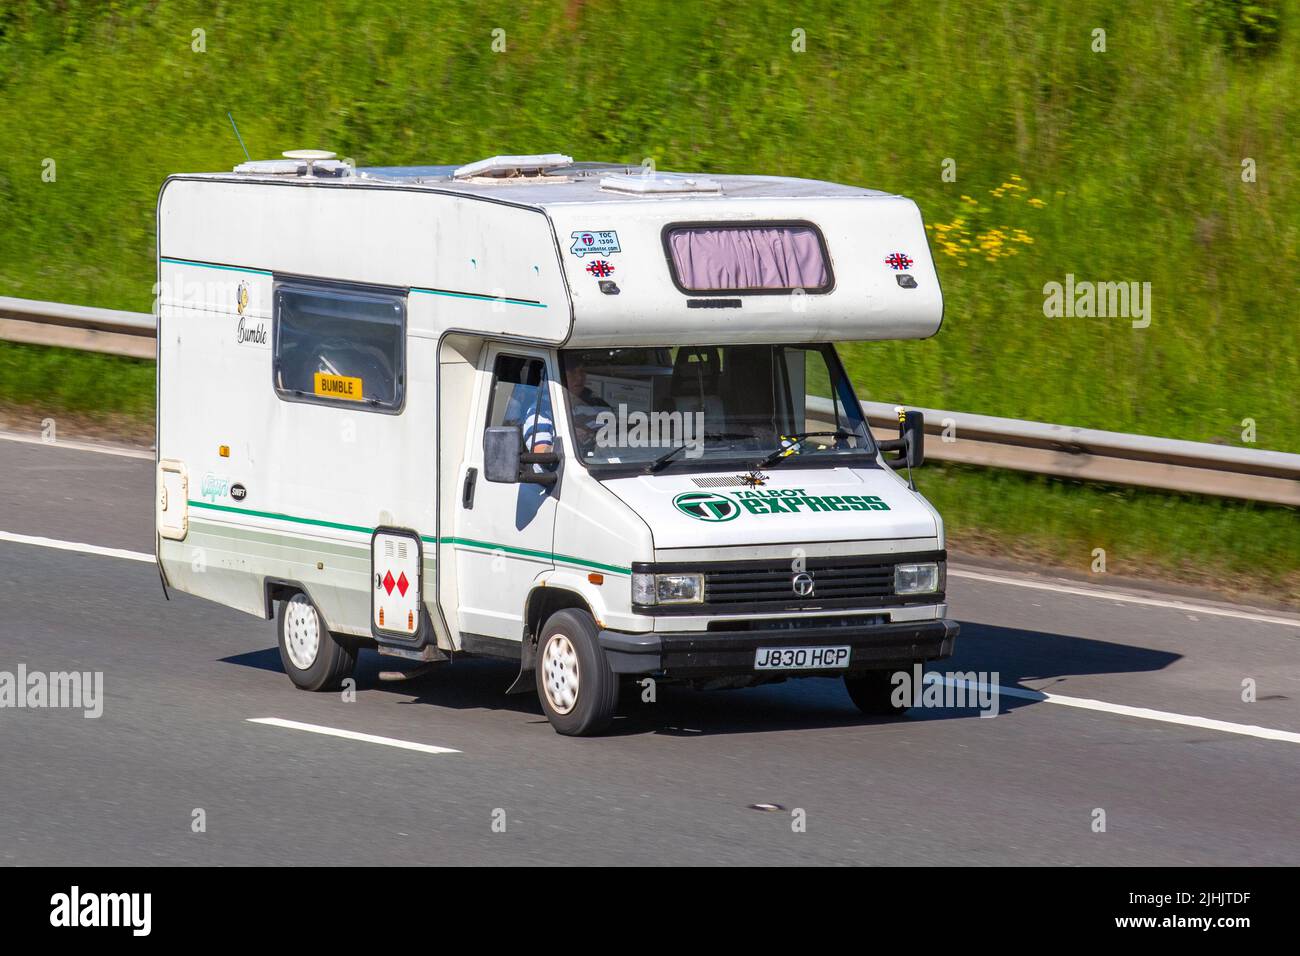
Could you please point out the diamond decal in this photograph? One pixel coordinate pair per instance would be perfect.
(403, 584)
(388, 582)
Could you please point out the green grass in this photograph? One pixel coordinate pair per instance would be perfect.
(1229, 545)
(1133, 158)
(63, 380)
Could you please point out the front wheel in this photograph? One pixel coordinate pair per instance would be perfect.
(874, 693)
(312, 657)
(577, 689)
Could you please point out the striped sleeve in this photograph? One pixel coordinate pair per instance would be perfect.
(538, 428)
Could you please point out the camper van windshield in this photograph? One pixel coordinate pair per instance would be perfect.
(712, 406)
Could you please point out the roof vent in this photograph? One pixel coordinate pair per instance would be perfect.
(654, 183)
(513, 167)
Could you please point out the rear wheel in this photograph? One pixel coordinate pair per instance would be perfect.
(577, 689)
(873, 693)
(312, 657)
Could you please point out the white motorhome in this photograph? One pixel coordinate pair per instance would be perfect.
(581, 416)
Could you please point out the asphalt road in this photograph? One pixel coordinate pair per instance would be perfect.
(676, 780)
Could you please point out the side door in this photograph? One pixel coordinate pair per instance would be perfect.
(504, 532)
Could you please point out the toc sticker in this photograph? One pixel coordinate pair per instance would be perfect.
(597, 243)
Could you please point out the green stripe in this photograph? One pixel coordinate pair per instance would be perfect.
(461, 542)
(281, 517)
(478, 297)
(482, 298)
(211, 265)
(547, 555)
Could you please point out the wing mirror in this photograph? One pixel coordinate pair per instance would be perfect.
(910, 441)
(505, 461)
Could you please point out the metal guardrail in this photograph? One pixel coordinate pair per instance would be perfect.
(1088, 454)
(1084, 454)
(78, 327)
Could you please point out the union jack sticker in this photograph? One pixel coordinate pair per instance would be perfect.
(600, 268)
(896, 261)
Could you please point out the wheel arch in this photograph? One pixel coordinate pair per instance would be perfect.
(542, 602)
(281, 589)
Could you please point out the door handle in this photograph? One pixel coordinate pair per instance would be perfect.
(467, 496)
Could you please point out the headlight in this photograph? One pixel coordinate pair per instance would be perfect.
(918, 578)
(667, 588)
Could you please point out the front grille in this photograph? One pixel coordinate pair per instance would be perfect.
(770, 585)
(767, 586)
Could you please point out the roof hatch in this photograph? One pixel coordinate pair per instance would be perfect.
(647, 184)
(513, 167)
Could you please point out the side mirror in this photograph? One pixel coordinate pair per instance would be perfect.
(505, 461)
(910, 441)
(502, 446)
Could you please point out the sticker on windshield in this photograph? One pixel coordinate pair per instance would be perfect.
(720, 506)
(597, 243)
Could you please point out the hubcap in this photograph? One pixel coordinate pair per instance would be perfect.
(301, 632)
(560, 673)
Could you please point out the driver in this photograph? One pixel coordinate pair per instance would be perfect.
(586, 405)
(539, 425)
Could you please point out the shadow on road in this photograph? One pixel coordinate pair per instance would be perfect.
(1013, 655)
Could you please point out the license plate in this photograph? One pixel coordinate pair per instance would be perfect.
(801, 658)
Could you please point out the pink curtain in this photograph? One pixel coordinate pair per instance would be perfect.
(772, 257)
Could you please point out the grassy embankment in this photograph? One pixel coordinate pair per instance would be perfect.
(1122, 165)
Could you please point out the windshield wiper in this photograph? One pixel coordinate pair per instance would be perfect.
(668, 456)
(796, 441)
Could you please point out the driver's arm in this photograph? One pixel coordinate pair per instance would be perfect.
(539, 430)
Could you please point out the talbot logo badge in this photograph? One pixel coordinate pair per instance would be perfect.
(706, 506)
(803, 584)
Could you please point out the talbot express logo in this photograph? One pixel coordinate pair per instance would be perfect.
(706, 506)
(803, 584)
(715, 506)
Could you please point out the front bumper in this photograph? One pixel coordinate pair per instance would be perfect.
(731, 653)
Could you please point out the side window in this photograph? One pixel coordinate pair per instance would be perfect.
(816, 396)
(338, 344)
(520, 397)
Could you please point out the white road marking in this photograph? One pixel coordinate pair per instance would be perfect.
(956, 572)
(76, 546)
(351, 735)
(1123, 710)
(122, 451)
(1106, 595)
(1083, 703)
(952, 572)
